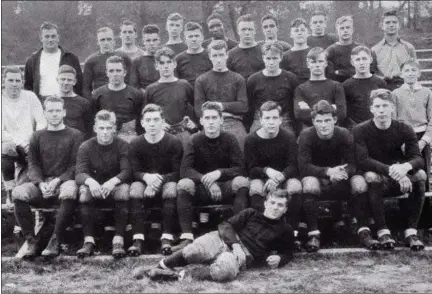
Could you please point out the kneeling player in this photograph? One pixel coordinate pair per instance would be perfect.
(102, 172)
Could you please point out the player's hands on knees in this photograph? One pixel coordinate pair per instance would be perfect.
(405, 185)
(149, 192)
(398, 171)
(239, 253)
(108, 187)
(303, 105)
(273, 261)
(52, 186)
(275, 175)
(210, 178)
(270, 185)
(153, 180)
(337, 173)
(215, 192)
(45, 189)
(95, 188)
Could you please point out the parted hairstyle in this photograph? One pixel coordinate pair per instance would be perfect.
(128, 23)
(53, 99)
(274, 47)
(269, 106)
(191, 25)
(65, 68)
(361, 48)
(245, 18)
(389, 13)
(164, 51)
(318, 12)
(270, 16)
(104, 30)
(151, 108)
(12, 69)
(383, 94)
(48, 26)
(211, 105)
(150, 29)
(217, 45)
(298, 22)
(315, 52)
(116, 59)
(322, 107)
(106, 115)
(343, 19)
(175, 16)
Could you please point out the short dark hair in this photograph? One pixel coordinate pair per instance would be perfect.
(217, 45)
(65, 68)
(383, 94)
(298, 22)
(269, 106)
(53, 99)
(128, 23)
(279, 193)
(411, 61)
(175, 16)
(314, 52)
(164, 51)
(106, 115)
(215, 15)
(322, 107)
(358, 49)
(245, 18)
(274, 47)
(116, 59)
(151, 108)
(211, 105)
(191, 26)
(48, 26)
(319, 12)
(12, 69)
(270, 16)
(150, 29)
(389, 13)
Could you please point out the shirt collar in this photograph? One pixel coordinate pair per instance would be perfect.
(383, 41)
(416, 87)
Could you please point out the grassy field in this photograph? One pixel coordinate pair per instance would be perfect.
(399, 271)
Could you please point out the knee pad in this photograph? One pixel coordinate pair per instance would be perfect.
(68, 190)
(256, 187)
(225, 268)
(294, 186)
(372, 177)
(311, 185)
(193, 253)
(121, 192)
(186, 185)
(239, 182)
(420, 175)
(84, 194)
(358, 185)
(137, 190)
(169, 190)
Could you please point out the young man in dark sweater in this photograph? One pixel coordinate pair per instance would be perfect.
(155, 159)
(269, 26)
(52, 155)
(128, 36)
(339, 54)
(174, 27)
(103, 173)
(249, 238)
(124, 100)
(212, 171)
(143, 71)
(294, 60)
(272, 83)
(78, 109)
(174, 95)
(95, 75)
(318, 25)
(246, 57)
(388, 152)
(194, 61)
(327, 166)
(358, 87)
(225, 87)
(217, 32)
(318, 88)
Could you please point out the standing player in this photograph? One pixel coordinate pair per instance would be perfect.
(319, 37)
(174, 27)
(143, 71)
(269, 26)
(128, 36)
(217, 31)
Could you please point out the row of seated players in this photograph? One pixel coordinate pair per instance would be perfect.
(382, 158)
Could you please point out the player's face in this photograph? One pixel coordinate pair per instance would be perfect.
(216, 28)
(318, 24)
(218, 58)
(299, 34)
(246, 32)
(54, 113)
(345, 30)
(128, 34)
(361, 62)
(174, 27)
(211, 121)
(382, 110)
(275, 207)
(66, 82)
(115, 73)
(324, 124)
(272, 61)
(105, 131)
(166, 66)
(269, 29)
(50, 39)
(13, 84)
(390, 25)
(271, 121)
(317, 66)
(151, 42)
(410, 73)
(106, 41)
(194, 39)
(152, 122)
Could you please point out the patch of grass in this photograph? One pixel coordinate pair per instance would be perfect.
(401, 271)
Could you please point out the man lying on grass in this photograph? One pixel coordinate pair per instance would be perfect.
(247, 238)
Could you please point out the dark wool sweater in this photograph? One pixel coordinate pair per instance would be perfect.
(230, 43)
(177, 48)
(279, 153)
(102, 162)
(176, 99)
(357, 92)
(262, 236)
(203, 155)
(280, 89)
(163, 157)
(295, 62)
(53, 154)
(322, 41)
(95, 71)
(377, 150)
(228, 87)
(78, 114)
(316, 155)
(143, 72)
(313, 91)
(191, 66)
(339, 59)
(245, 61)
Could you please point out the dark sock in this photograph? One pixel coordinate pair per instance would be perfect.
(377, 204)
(24, 218)
(359, 207)
(169, 214)
(415, 204)
(64, 216)
(88, 218)
(174, 260)
(294, 209)
(241, 200)
(136, 213)
(121, 217)
(311, 210)
(185, 211)
(257, 202)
